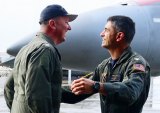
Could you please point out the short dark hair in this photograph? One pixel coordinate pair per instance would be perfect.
(124, 24)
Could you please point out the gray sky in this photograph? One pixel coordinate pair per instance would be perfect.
(19, 18)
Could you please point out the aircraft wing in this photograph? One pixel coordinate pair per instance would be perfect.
(8, 63)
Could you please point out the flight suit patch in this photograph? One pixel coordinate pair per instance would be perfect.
(115, 78)
(139, 67)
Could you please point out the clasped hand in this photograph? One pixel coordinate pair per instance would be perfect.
(82, 86)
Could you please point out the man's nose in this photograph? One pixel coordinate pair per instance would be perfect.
(69, 27)
(102, 34)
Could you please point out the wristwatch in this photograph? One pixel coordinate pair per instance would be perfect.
(96, 87)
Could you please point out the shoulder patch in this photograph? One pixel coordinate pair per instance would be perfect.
(139, 67)
(136, 58)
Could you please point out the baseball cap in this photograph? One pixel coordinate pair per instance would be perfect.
(55, 10)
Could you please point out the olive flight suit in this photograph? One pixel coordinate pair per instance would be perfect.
(126, 83)
(35, 83)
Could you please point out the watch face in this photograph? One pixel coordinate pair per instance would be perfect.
(96, 87)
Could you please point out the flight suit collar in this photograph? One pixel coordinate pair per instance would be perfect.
(48, 39)
(113, 77)
(45, 37)
(127, 52)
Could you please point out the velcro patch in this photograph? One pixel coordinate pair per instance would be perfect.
(139, 67)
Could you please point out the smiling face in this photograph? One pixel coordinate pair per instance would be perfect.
(61, 28)
(109, 35)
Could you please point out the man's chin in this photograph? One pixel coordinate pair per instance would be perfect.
(104, 46)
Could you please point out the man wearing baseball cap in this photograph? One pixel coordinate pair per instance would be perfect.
(35, 83)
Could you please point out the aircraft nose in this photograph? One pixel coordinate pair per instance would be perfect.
(11, 51)
(14, 49)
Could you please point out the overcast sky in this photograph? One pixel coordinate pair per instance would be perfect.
(19, 18)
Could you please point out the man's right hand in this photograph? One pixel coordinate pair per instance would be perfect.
(82, 86)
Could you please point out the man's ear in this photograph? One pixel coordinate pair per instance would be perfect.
(52, 24)
(120, 36)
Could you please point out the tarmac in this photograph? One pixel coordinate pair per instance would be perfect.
(90, 105)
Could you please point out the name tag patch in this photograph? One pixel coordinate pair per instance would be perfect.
(115, 78)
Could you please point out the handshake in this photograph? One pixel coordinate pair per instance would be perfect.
(82, 86)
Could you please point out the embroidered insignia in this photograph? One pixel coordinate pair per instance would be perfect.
(136, 58)
(115, 78)
(139, 67)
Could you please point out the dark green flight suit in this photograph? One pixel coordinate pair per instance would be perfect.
(126, 84)
(35, 83)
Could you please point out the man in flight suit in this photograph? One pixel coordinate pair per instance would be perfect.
(123, 80)
(35, 83)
